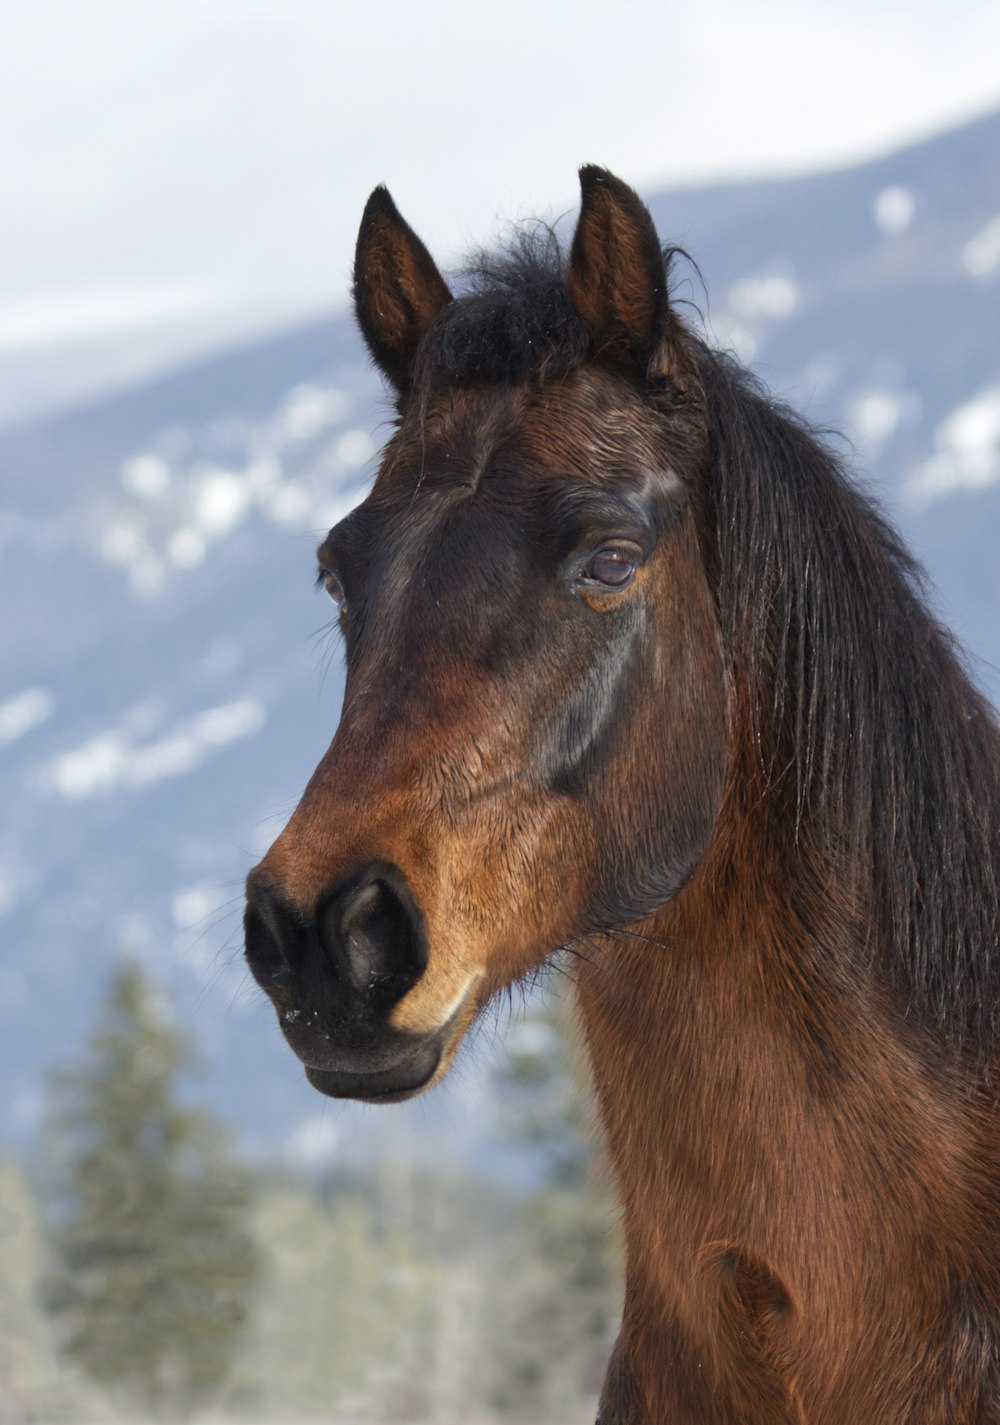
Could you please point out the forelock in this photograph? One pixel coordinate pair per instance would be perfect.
(512, 317)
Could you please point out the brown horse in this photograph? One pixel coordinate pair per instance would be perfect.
(635, 673)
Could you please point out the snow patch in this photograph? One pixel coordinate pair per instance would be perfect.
(770, 297)
(353, 449)
(228, 723)
(147, 476)
(728, 334)
(875, 415)
(111, 760)
(95, 766)
(194, 905)
(200, 913)
(893, 209)
(309, 409)
(124, 541)
(170, 757)
(186, 547)
(290, 504)
(281, 467)
(263, 474)
(24, 712)
(221, 501)
(967, 454)
(981, 255)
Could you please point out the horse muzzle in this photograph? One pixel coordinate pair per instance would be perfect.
(336, 972)
(409, 1062)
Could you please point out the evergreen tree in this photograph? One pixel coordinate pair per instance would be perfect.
(154, 1260)
(343, 1302)
(24, 1345)
(555, 1311)
(543, 1089)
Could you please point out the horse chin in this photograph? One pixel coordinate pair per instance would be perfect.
(403, 1065)
(397, 1068)
(393, 1085)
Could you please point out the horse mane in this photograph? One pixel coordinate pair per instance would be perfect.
(868, 731)
(860, 702)
(513, 317)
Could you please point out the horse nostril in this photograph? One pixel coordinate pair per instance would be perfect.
(274, 936)
(372, 931)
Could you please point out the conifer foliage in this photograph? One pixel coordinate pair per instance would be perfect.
(154, 1262)
(555, 1316)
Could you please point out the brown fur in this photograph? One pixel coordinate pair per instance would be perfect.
(533, 757)
(799, 1185)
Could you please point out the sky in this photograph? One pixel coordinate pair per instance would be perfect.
(177, 175)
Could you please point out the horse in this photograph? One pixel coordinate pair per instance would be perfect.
(636, 675)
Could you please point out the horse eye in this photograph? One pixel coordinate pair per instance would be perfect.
(333, 587)
(613, 566)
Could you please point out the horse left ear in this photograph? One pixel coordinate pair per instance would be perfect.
(617, 277)
(398, 290)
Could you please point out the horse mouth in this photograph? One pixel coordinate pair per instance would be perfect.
(397, 1068)
(392, 1085)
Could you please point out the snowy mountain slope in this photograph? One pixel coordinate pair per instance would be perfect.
(162, 697)
(870, 299)
(162, 553)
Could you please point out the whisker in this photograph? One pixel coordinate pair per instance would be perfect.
(635, 935)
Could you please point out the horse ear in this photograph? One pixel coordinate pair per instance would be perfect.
(617, 277)
(398, 290)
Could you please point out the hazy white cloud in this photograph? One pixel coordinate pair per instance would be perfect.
(221, 150)
(49, 318)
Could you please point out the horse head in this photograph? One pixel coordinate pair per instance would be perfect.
(533, 743)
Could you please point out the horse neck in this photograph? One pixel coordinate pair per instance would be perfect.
(711, 1024)
(759, 1087)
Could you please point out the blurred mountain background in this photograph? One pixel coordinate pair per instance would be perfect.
(169, 677)
(185, 1227)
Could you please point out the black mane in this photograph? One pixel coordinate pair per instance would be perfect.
(513, 317)
(887, 751)
(886, 755)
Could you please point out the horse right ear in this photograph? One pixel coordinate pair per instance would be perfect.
(617, 278)
(398, 291)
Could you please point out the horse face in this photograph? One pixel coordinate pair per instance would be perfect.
(533, 740)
